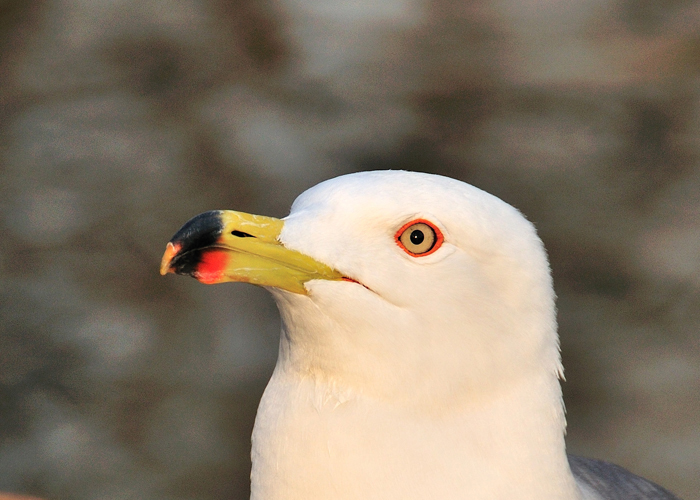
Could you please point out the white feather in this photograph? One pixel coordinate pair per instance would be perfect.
(439, 377)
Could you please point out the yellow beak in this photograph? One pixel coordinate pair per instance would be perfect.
(222, 245)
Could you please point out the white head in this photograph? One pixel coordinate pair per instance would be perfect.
(455, 325)
(409, 367)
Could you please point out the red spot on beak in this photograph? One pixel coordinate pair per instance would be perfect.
(210, 269)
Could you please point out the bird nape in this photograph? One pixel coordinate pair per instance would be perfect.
(419, 355)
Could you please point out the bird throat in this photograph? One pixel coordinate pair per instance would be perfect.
(313, 442)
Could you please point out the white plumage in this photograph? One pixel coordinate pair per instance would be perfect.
(438, 377)
(408, 369)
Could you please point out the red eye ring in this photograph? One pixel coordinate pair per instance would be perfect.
(437, 234)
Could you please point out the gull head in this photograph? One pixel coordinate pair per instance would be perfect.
(407, 287)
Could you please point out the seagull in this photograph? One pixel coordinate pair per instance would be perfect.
(419, 355)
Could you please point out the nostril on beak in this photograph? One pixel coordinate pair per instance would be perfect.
(241, 234)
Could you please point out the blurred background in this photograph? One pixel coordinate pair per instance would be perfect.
(121, 119)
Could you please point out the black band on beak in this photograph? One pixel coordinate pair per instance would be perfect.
(199, 233)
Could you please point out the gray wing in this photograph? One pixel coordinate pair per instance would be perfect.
(612, 482)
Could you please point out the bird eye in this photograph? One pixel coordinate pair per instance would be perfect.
(419, 238)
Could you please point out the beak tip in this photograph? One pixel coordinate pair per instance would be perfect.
(170, 252)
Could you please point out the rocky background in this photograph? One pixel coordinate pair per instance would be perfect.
(121, 119)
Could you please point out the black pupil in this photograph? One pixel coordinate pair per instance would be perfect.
(417, 236)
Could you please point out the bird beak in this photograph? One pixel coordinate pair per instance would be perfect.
(222, 245)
